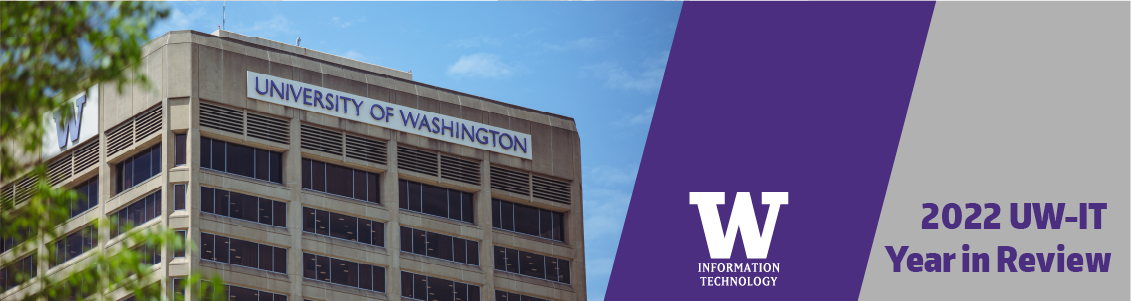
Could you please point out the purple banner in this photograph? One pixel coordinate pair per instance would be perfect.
(804, 98)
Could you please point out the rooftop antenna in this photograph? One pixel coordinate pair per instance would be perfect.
(299, 40)
(224, 16)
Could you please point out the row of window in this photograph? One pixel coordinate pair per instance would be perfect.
(22, 234)
(241, 206)
(527, 220)
(343, 226)
(149, 255)
(438, 201)
(75, 244)
(137, 168)
(340, 180)
(421, 287)
(88, 197)
(19, 272)
(241, 252)
(241, 160)
(508, 296)
(235, 293)
(140, 212)
(344, 272)
(532, 264)
(440, 246)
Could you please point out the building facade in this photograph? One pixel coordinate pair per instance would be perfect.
(291, 193)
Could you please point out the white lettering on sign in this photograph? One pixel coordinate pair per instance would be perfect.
(371, 111)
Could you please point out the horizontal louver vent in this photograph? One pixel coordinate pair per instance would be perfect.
(86, 156)
(120, 138)
(417, 160)
(221, 118)
(59, 170)
(147, 123)
(319, 139)
(509, 180)
(23, 189)
(365, 149)
(553, 190)
(6, 194)
(457, 169)
(268, 128)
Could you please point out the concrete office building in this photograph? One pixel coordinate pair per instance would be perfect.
(279, 162)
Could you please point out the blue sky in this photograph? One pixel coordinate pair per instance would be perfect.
(600, 63)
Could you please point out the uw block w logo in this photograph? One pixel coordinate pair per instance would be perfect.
(742, 217)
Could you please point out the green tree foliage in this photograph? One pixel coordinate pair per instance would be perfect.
(51, 51)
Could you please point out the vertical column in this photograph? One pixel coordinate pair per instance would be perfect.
(292, 172)
(192, 199)
(483, 219)
(390, 197)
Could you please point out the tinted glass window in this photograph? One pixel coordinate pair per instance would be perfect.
(74, 244)
(438, 201)
(532, 264)
(340, 180)
(181, 142)
(139, 212)
(242, 160)
(343, 272)
(241, 206)
(343, 226)
(180, 252)
(245, 253)
(440, 246)
(88, 197)
(420, 287)
(137, 168)
(528, 220)
(179, 197)
(18, 272)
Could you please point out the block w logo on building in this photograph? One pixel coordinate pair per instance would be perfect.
(71, 127)
(742, 217)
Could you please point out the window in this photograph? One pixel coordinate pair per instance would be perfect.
(343, 226)
(506, 296)
(180, 253)
(19, 272)
(149, 254)
(527, 220)
(246, 207)
(236, 293)
(179, 288)
(140, 212)
(432, 200)
(22, 235)
(420, 287)
(179, 197)
(241, 160)
(75, 244)
(343, 181)
(440, 246)
(240, 252)
(135, 170)
(344, 272)
(180, 142)
(88, 197)
(531, 264)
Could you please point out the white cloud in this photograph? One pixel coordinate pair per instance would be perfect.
(647, 78)
(480, 65)
(344, 23)
(277, 28)
(475, 42)
(354, 55)
(578, 44)
(643, 117)
(179, 20)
